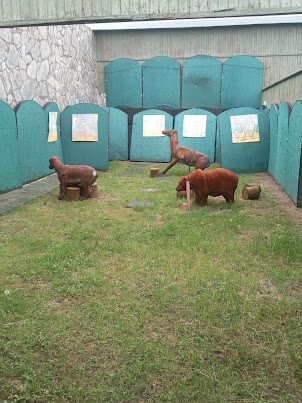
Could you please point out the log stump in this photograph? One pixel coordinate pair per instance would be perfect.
(95, 192)
(247, 185)
(250, 193)
(154, 172)
(72, 193)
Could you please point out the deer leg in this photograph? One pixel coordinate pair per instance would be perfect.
(173, 162)
(63, 186)
(86, 192)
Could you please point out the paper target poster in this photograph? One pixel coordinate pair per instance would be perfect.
(52, 127)
(85, 127)
(153, 125)
(194, 126)
(245, 128)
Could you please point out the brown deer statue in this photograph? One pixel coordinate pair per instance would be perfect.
(184, 155)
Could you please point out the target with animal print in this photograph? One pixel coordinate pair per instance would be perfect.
(245, 128)
(85, 127)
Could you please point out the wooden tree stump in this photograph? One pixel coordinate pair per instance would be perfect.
(250, 193)
(248, 185)
(95, 191)
(154, 172)
(72, 193)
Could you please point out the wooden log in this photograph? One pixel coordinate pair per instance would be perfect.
(154, 172)
(247, 185)
(95, 192)
(72, 193)
(250, 193)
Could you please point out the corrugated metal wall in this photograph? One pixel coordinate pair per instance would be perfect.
(277, 46)
(34, 12)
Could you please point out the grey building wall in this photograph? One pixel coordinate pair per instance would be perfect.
(277, 46)
(48, 64)
(289, 90)
(33, 12)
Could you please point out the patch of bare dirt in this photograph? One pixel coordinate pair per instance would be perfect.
(277, 192)
(159, 221)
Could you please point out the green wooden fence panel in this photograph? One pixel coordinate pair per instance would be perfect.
(32, 140)
(153, 149)
(205, 144)
(293, 152)
(161, 82)
(241, 82)
(10, 171)
(273, 117)
(118, 134)
(247, 156)
(124, 83)
(53, 148)
(93, 153)
(201, 82)
(283, 127)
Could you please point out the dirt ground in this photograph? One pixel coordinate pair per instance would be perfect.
(277, 192)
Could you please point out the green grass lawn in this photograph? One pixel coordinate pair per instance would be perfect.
(103, 303)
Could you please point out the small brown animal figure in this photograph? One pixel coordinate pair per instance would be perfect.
(184, 154)
(215, 182)
(83, 175)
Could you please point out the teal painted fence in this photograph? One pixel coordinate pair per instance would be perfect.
(32, 139)
(118, 134)
(10, 171)
(205, 144)
(273, 117)
(124, 83)
(241, 82)
(93, 153)
(201, 82)
(283, 131)
(243, 156)
(293, 153)
(153, 149)
(52, 148)
(161, 83)
(206, 83)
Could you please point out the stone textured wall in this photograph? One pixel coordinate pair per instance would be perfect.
(48, 64)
